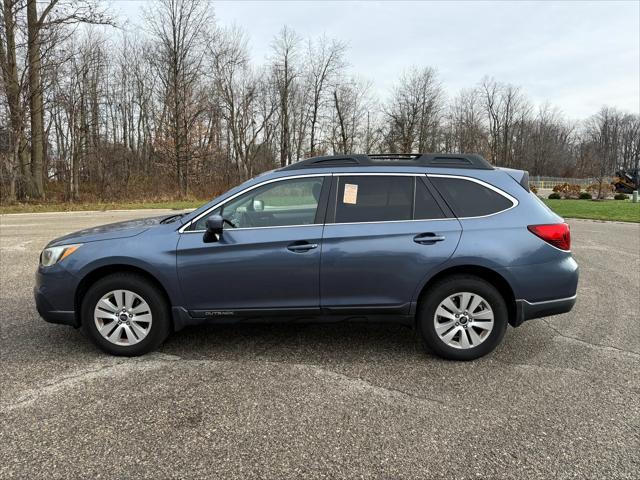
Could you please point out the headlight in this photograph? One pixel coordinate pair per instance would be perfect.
(52, 255)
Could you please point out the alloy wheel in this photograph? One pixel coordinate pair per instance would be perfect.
(123, 317)
(463, 320)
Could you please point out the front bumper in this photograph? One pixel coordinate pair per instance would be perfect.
(54, 295)
(526, 310)
(49, 313)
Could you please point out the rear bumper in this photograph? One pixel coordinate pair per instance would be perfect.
(526, 310)
(545, 289)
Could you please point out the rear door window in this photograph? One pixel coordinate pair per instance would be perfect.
(380, 198)
(468, 198)
(375, 198)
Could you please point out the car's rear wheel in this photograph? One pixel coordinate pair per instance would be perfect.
(125, 314)
(462, 317)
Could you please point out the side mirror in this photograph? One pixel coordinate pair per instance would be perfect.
(214, 228)
(258, 205)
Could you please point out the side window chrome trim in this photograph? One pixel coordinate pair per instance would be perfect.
(371, 174)
(514, 201)
(262, 228)
(393, 221)
(248, 189)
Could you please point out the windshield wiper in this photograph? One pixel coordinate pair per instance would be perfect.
(172, 218)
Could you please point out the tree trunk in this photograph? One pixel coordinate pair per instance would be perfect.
(35, 101)
(343, 132)
(285, 149)
(314, 119)
(9, 68)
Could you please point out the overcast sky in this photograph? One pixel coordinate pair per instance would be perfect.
(576, 55)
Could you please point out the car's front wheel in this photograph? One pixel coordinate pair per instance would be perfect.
(125, 314)
(462, 317)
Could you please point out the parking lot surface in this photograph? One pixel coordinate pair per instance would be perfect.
(560, 398)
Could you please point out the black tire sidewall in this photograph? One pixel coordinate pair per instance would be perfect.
(452, 285)
(160, 314)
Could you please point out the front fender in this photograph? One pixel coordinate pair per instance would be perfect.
(164, 278)
(151, 253)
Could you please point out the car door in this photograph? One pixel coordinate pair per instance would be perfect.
(384, 234)
(268, 260)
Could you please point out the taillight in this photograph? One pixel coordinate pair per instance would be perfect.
(557, 234)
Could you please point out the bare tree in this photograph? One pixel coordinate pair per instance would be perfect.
(549, 143)
(37, 26)
(325, 60)
(415, 112)
(245, 110)
(505, 107)
(285, 72)
(12, 80)
(180, 29)
(55, 13)
(629, 158)
(602, 133)
(180, 109)
(351, 104)
(466, 123)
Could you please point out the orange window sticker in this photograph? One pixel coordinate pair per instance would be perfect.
(350, 193)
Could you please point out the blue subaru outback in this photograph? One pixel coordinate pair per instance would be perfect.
(446, 244)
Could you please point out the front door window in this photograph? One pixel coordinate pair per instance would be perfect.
(277, 204)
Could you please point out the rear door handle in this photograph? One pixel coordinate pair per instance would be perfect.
(428, 238)
(300, 247)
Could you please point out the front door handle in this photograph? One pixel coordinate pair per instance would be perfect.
(428, 238)
(300, 247)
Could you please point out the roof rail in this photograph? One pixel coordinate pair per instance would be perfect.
(445, 160)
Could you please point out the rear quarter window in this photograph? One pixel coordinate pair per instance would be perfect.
(470, 199)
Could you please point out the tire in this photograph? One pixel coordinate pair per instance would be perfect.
(143, 326)
(447, 340)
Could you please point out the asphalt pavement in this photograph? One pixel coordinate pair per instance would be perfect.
(560, 398)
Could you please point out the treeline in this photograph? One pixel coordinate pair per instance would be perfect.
(179, 109)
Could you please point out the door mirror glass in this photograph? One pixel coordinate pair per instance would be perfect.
(258, 206)
(214, 226)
